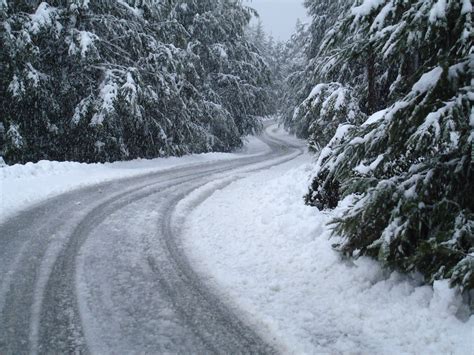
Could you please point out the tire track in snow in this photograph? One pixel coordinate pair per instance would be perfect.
(40, 306)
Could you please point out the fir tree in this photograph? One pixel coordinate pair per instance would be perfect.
(107, 80)
(311, 68)
(409, 165)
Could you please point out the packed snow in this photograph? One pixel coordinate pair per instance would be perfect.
(22, 185)
(270, 257)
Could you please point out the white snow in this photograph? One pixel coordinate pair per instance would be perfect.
(15, 136)
(336, 99)
(22, 185)
(42, 17)
(315, 91)
(432, 120)
(81, 110)
(377, 116)
(331, 97)
(130, 89)
(438, 11)
(108, 94)
(466, 7)
(366, 7)
(270, 257)
(221, 50)
(380, 19)
(16, 86)
(428, 80)
(33, 75)
(86, 39)
(365, 169)
(134, 10)
(341, 132)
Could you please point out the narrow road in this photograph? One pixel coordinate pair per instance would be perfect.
(100, 269)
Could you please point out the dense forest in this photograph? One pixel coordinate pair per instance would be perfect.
(111, 80)
(381, 89)
(384, 96)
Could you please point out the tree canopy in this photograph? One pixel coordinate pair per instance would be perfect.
(111, 80)
(387, 106)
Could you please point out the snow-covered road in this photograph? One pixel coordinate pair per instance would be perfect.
(212, 253)
(271, 257)
(100, 270)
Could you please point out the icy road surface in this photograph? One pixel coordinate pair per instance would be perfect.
(101, 270)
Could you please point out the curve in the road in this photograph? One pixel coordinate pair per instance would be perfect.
(78, 277)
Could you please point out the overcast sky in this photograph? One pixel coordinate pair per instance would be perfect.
(279, 16)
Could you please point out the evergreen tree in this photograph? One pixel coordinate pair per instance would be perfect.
(109, 80)
(271, 52)
(409, 165)
(302, 103)
(296, 83)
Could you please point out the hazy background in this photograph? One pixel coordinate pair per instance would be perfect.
(279, 16)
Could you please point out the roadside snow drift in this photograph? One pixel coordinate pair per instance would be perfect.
(270, 256)
(22, 185)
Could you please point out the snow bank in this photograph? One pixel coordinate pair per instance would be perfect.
(269, 255)
(24, 184)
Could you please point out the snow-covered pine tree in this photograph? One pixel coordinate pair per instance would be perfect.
(326, 107)
(234, 76)
(107, 80)
(296, 85)
(324, 14)
(258, 36)
(409, 165)
(309, 104)
(272, 52)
